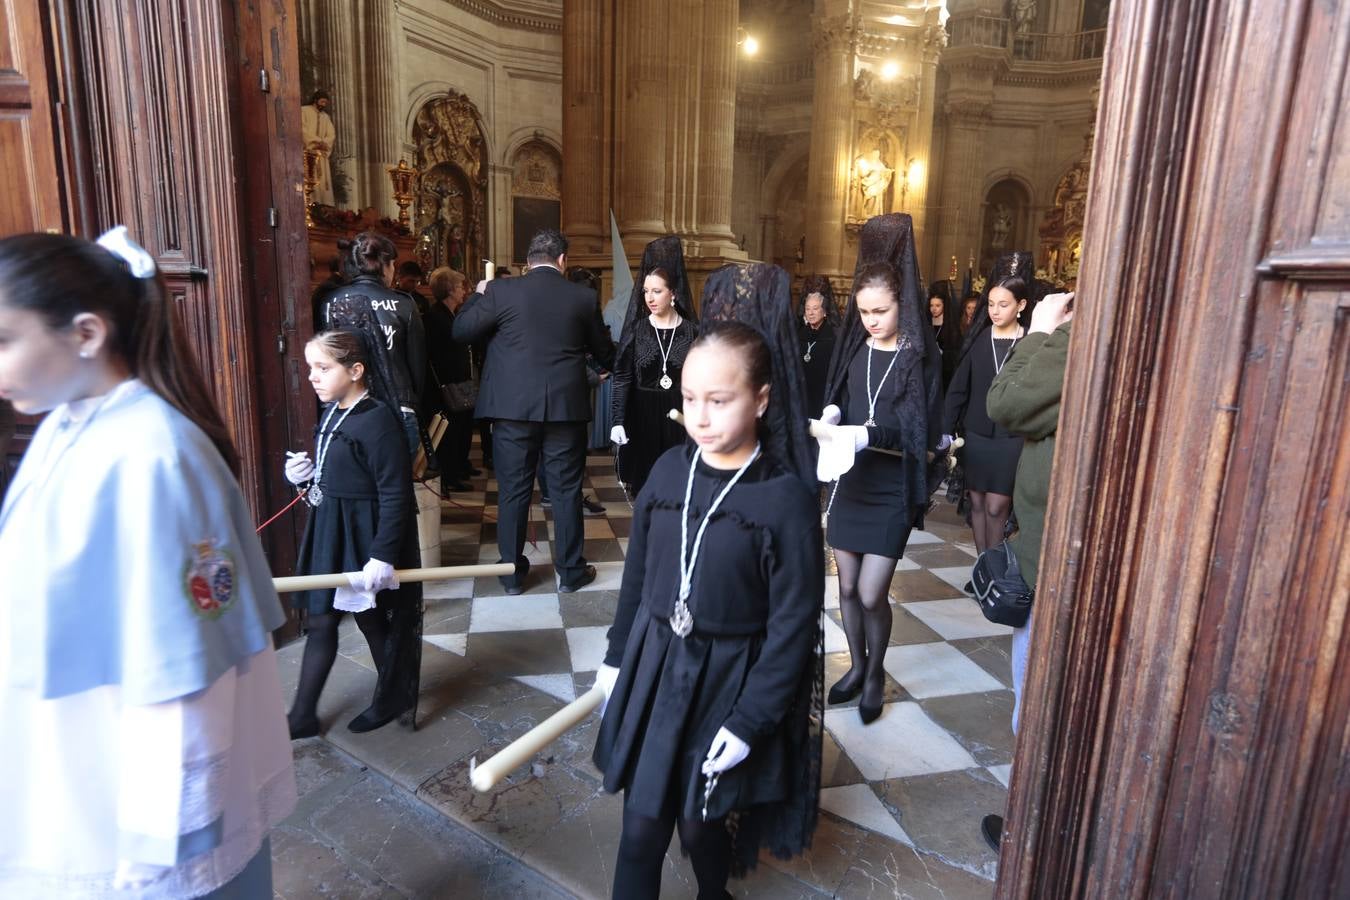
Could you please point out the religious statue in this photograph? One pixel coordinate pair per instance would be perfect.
(317, 131)
(1002, 227)
(874, 177)
(1024, 16)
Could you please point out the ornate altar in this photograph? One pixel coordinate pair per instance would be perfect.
(450, 224)
(332, 225)
(1062, 232)
(879, 175)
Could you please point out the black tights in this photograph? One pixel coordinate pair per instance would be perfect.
(642, 853)
(989, 514)
(321, 650)
(864, 603)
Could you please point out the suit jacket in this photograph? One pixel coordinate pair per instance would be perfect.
(539, 328)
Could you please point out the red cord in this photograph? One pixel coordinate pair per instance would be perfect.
(298, 497)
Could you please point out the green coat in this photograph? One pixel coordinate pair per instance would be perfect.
(1024, 399)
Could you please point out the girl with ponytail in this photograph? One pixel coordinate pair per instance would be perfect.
(136, 657)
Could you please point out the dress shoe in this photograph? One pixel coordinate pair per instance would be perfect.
(471, 472)
(869, 714)
(591, 507)
(302, 727)
(586, 577)
(992, 829)
(373, 718)
(969, 588)
(841, 693)
(515, 584)
(449, 486)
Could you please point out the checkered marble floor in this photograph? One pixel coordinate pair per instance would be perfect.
(903, 796)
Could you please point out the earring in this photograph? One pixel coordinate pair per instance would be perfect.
(86, 354)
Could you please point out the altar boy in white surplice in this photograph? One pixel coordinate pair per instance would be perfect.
(144, 748)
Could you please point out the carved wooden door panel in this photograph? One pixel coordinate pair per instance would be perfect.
(1186, 731)
(27, 139)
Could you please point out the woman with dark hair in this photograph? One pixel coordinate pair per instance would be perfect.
(819, 320)
(989, 459)
(945, 315)
(714, 670)
(144, 741)
(656, 336)
(885, 381)
(370, 260)
(359, 488)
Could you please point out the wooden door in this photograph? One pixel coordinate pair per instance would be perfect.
(1187, 723)
(31, 198)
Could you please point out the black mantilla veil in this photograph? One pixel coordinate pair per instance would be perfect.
(918, 372)
(1017, 264)
(819, 284)
(400, 682)
(663, 253)
(760, 295)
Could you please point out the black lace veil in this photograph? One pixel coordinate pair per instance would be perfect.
(1017, 264)
(760, 295)
(663, 253)
(353, 314)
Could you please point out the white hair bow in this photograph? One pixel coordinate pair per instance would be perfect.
(116, 242)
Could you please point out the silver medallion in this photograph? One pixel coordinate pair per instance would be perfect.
(666, 382)
(869, 423)
(682, 620)
(806, 358)
(315, 495)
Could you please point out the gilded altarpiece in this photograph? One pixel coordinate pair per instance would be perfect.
(883, 111)
(451, 202)
(536, 194)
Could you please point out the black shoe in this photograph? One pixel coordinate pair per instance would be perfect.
(969, 588)
(449, 486)
(303, 727)
(841, 693)
(372, 719)
(587, 576)
(515, 584)
(591, 507)
(992, 829)
(869, 714)
(471, 472)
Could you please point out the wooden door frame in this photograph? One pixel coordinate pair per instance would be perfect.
(1146, 721)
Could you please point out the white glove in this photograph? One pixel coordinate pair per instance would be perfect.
(837, 450)
(379, 576)
(299, 467)
(618, 436)
(605, 677)
(860, 436)
(726, 751)
(134, 876)
(831, 415)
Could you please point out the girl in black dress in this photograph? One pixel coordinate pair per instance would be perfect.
(989, 459)
(359, 487)
(885, 384)
(656, 336)
(714, 668)
(945, 316)
(819, 320)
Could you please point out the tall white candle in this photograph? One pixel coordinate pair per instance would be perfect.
(489, 269)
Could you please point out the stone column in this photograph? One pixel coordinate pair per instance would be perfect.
(379, 82)
(921, 146)
(336, 59)
(716, 128)
(831, 145)
(642, 119)
(963, 177)
(585, 204)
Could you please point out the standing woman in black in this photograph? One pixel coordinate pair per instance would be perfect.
(815, 334)
(657, 335)
(991, 452)
(945, 315)
(885, 386)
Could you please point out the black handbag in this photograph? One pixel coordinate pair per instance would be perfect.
(1000, 590)
(458, 396)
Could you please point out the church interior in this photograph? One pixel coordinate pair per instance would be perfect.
(1183, 168)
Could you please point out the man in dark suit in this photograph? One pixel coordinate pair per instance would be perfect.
(539, 328)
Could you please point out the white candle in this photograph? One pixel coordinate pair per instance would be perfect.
(489, 270)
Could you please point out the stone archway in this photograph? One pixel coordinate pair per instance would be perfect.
(451, 204)
(1004, 227)
(536, 193)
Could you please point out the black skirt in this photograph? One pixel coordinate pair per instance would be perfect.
(338, 538)
(991, 463)
(871, 512)
(651, 432)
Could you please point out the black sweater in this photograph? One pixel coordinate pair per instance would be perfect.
(965, 408)
(642, 362)
(368, 460)
(760, 570)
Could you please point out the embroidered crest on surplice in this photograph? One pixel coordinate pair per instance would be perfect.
(208, 579)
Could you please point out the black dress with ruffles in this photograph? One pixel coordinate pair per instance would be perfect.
(368, 512)
(642, 406)
(749, 664)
